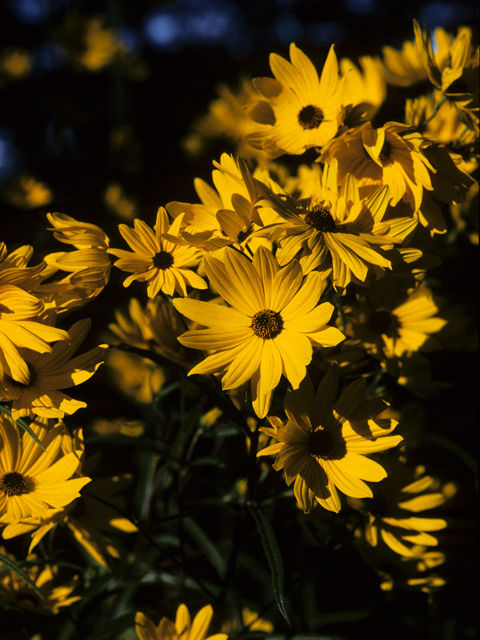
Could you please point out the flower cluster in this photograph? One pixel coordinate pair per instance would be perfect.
(295, 300)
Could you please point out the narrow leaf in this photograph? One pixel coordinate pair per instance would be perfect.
(205, 545)
(273, 555)
(23, 425)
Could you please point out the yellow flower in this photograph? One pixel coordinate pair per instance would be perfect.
(397, 323)
(183, 629)
(395, 515)
(15, 64)
(321, 447)
(19, 312)
(269, 328)
(159, 257)
(50, 372)
(389, 155)
(31, 480)
(26, 192)
(335, 225)
(20, 595)
(88, 266)
(251, 622)
(300, 111)
(364, 93)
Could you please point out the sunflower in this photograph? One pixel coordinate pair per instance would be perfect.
(300, 111)
(183, 629)
(269, 328)
(159, 257)
(322, 445)
(335, 228)
(32, 480)
(50, 372)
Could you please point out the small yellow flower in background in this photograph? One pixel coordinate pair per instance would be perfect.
(22, 597)
(32, 480)
(19, 312)
(269, 329)
(299, 110)
(160, 257)
(26, 192)
(183, 629)
(138, 378)
(404, 68)
(88, 42)
(50, 372)
(129, 428)
(119, 203)
(321, 447)
(226, 118)
(15, 64)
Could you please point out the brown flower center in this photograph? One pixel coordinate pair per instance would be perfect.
(267, 324)
(310, 117)
(382, 321)
(385, 153)
(13, 484)
(163, 260)
(321, 444)
(320, 218)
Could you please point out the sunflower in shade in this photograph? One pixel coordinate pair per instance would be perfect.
(160, 257)
(322, 445)
(182, 629)
(269, 329)
(299, 110)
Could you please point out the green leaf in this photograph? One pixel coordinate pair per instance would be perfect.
(23, 425)
(4, 560)
(273, 555)
(205, 545)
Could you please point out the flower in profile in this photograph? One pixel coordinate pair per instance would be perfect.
(50, 372)
(299, 111)
(55, 589)
(322, 445)
(160, 257)
(32, 480)
(182, 629)
(269, 329)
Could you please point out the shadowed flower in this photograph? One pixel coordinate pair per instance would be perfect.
(183, 629)
(269, 329)
(20, 595)
(160, 257)
(321, 447)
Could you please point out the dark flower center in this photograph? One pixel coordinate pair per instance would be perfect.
(13, 484)
(267, 324)
(321, 444)
(382, 321)
(163, 260)
(320, 218)
(310, 117)
(16, 383)
(385, 153)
